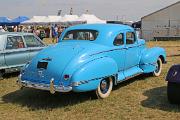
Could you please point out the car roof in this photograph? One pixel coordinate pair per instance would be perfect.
(15, 33)
(102, 27)
(107, 32)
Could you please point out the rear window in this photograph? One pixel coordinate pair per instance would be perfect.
(81, 35)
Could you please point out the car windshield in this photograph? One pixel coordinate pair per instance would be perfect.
(81, 35)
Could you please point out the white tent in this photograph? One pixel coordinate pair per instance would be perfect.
(53, 19)
(41, 20)
(66, 20)
(90, 18)
(36, 20)
(70, 18)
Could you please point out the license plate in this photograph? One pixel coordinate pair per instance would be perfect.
(42, 65)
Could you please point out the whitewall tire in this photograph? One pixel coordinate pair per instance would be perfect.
(105, 87)
(158, 70)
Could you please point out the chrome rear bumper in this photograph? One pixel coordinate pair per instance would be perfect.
(52, 88)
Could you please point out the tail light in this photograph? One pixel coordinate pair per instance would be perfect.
(66, 77)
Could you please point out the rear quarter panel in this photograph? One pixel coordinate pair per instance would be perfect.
(92, 72)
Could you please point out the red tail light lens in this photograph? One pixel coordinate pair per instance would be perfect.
(66, 77)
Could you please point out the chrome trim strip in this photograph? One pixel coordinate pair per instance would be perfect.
(117, 49)
(87, 81)
(153, 64)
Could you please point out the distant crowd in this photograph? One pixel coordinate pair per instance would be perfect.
(53, 31)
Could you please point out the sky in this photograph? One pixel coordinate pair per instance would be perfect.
(129, 10)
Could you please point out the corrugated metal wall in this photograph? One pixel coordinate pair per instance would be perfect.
(165, 22)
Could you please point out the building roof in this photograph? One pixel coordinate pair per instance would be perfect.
(161, 9)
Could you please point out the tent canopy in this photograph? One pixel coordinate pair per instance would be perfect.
(69, 18)
(20, 19)
(54, 19)
(40, 20)
(90, 18)
(15, 21)
(66, 20)
(4, 21)
(36, 20)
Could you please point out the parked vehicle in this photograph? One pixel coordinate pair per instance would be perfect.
(173, 85)
(92, 57)
(16, 49)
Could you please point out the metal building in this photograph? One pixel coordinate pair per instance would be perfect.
(162, 24)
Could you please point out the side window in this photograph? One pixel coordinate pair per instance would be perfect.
(32, 41)
(118, 40)
(130, 38)
(14, 42)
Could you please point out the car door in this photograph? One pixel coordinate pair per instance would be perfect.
(132, 51)
(33, 44)
(2, 45)
(16, 53)
(119, 51)
(118, 54)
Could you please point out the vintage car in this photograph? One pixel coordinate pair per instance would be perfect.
(92, 57)
(16, 49)
(173, 85)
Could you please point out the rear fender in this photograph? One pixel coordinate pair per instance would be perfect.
(149, 58)
(88, 77)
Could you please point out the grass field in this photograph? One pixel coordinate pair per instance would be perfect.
(143, 97)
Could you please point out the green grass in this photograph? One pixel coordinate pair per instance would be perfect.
(143, 97)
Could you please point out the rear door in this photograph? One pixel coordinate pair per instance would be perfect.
(132, 51)
(119, 51)
(118, 54)
(33, 44)
(16, 53)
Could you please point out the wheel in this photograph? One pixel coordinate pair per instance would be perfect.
(158, 70)
(105, 87)
(173, 90)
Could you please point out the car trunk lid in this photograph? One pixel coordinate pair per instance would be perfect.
(50, 64)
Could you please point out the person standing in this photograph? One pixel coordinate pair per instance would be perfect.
(55, 33)
(60, 30)
(1, 29)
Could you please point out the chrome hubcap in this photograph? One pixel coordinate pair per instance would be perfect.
(104, 86)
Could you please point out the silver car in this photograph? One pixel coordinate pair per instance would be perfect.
(16, 49)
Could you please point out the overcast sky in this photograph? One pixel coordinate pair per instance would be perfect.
(105, 9)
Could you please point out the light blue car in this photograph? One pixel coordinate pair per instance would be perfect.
(92, 57)
(16, 49)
